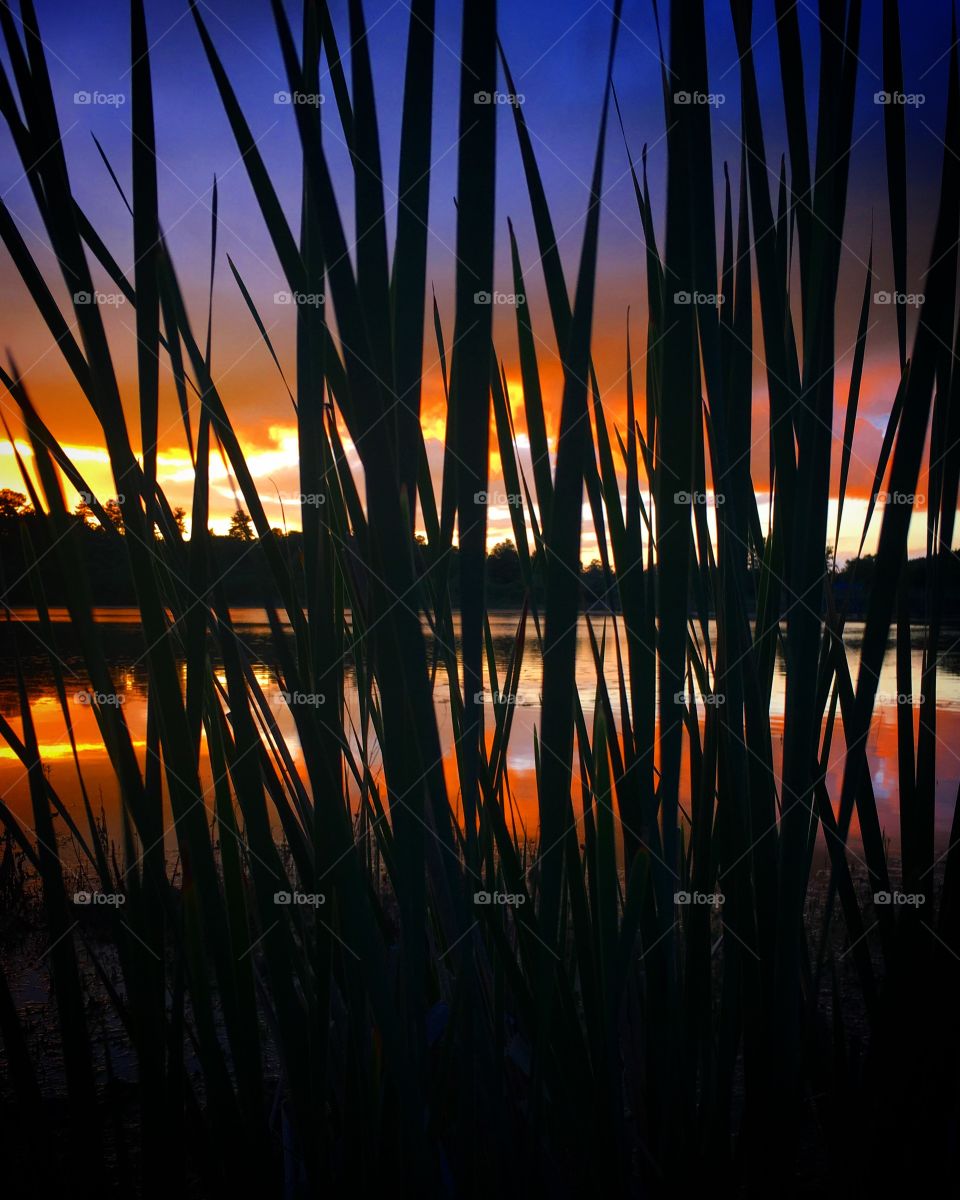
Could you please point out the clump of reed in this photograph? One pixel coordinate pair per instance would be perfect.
(598, 1026)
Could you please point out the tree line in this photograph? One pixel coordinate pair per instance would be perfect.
(241, 565)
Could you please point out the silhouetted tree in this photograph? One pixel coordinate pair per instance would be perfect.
(503, 564)
(114, 514)
(595, 584)
(13, 504)
(241, 527)
(84, 514)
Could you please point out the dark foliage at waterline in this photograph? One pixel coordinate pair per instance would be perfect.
(594, 1025)
(242, 568)
(241, 565)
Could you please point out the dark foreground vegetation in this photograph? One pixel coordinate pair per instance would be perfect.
(402, 993)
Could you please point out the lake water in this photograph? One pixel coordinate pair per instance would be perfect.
(125, 648)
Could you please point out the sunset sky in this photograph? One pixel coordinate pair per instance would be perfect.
(557, 53)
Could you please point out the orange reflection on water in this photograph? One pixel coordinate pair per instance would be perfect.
(521, 802)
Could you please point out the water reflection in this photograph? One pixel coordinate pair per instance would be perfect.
(126, 651)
